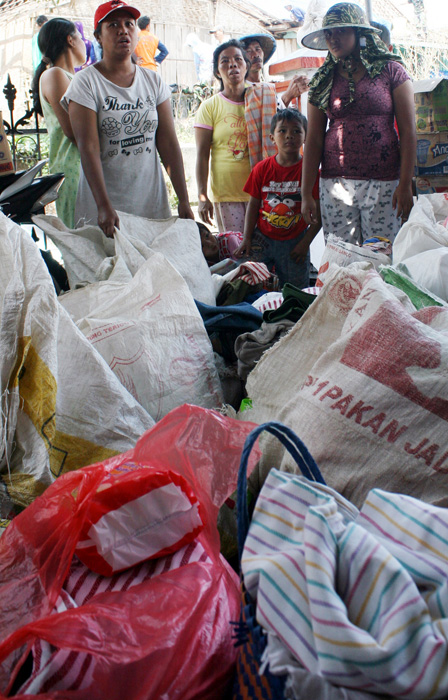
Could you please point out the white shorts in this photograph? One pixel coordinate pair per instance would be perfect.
(358, 209)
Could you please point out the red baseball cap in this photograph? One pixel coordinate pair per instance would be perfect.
(106, 8)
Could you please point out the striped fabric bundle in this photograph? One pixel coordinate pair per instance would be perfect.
(65, 669)
(357, 597)
(251, 272)
(260, 105)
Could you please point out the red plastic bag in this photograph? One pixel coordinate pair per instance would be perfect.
(138, 513)
(167, 637)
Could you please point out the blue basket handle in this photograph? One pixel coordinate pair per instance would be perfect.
(296, 449)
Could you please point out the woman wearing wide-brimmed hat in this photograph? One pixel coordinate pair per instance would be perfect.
(366, 178)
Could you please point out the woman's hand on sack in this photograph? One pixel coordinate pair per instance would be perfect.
(205, 210)
(403, 201)
(309, 210)
(108, 220)
(184, 210)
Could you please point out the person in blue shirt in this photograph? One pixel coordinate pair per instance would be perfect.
(297, 14)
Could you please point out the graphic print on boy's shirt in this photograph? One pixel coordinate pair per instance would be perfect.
(278, 189)
(281, 204)
(129, 120)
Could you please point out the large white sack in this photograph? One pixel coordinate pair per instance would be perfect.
(179, 241)
(430, 270)
(371, 406)
(424, 229)
(85, 249)
(341, 253)
(151, 334)
(62, 407)
(282, 369)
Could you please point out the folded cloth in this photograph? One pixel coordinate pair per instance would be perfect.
(295, 303)
(379, 243)
(249, 347)
(358, 597)
(303, 685)
(270, 300)
(250, 272)
(242, 317)
(235, 292)
(260, 105)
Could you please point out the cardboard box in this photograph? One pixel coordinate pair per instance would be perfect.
(431, 105)
(431, 185)
(6, 163)
(432, 154)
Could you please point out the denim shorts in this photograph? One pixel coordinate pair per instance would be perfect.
(277, 256)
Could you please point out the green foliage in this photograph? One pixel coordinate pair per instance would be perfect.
(185, 101)
(27, 153)
(185, 129)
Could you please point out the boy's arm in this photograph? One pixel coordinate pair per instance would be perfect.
(250, 221)
(300, 251)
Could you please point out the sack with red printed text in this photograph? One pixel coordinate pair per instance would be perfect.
(369, 397)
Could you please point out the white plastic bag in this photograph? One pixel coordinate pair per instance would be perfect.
(424, 230)
(152, 336)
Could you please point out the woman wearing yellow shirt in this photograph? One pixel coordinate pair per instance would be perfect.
(220, 129)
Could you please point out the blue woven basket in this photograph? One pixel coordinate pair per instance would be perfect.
(250, 636)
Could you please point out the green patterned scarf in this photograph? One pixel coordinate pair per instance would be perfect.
(373, 56)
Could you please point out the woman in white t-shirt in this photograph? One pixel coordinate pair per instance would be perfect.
(122, 120)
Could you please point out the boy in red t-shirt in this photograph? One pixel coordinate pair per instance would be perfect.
(274, 230)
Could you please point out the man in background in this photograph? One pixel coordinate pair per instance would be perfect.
(36, 55)
(296, 13)
(203, 58)
(260, 48)
(148, 44)
(219, 36)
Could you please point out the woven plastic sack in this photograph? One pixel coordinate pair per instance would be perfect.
(151, 335)
(368, 394)
(169, 637)
(89, 256)
(62, 407)
(340, 252)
